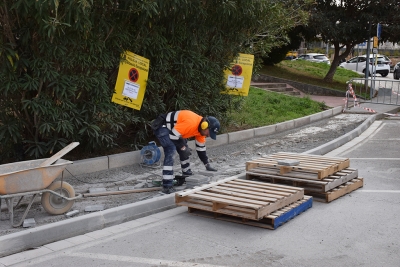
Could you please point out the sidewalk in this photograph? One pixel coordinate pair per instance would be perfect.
(366, 108)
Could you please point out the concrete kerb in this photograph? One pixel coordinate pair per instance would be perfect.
(240, 136)
(321, 150)
(17, 242)
(38, 236)
(86, 166)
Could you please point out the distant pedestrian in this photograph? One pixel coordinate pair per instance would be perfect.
(172, 130)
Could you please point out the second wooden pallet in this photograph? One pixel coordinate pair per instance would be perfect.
(311, 167)
(337, 192)
(324, 185)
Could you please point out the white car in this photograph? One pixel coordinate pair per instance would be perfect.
(358, 64)
(396, 71)
(315, 57)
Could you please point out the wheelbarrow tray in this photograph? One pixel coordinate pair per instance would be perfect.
(25, 176)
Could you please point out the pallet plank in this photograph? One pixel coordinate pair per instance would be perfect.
(232, 198)
(270, 193)
(256, 197)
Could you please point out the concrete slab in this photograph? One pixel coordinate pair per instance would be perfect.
(337, 110)
(327, 113)
(59, 245)
(71, 213)
(148, 219)
(137, 210)
(86, 166)
(302, 121)
(45, 234)
(222, 139)
(170, 213)
(265, 130)
(316, 117)
(115, 229)
(80, 239)
(26, 255)
(132, 224)
(240, 135)
(124, 159)
(99, 234)
(283, 126)
(29, 223)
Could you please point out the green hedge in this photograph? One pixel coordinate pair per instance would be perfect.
(59, 62)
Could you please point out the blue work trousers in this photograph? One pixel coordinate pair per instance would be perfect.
(169, 147)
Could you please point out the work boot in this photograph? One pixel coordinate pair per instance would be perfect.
(187, 173)
(168, 190)
(168, 186)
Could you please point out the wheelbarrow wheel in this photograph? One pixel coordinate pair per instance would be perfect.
(54, 204)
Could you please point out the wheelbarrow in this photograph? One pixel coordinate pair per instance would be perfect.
(35, 177)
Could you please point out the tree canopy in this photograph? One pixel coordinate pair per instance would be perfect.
(347, 23)
(59, 62)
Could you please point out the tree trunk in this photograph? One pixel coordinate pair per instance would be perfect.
(336, 60)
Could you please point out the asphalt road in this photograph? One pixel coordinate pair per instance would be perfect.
(358, 229)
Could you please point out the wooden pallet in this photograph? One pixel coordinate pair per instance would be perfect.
(272, 221)
(337, 192)
(311, 167)
(240, 198)
(324, 185)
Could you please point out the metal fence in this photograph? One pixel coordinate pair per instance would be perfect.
(380, 91)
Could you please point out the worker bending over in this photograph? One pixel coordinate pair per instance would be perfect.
(172, 130)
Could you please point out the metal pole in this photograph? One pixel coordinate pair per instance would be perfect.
(367, 59)
(373, 75)
(358, 55)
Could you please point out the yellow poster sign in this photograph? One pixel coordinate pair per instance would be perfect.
(131, 81)
(375, 43)
(238, 75)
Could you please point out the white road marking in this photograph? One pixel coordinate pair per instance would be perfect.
(139, 260)
(374, 158)
(380, 191)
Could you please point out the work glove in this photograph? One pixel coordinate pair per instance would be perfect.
(185, 152)
(210, 168)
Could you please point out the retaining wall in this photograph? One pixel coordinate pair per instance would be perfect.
(306, 88)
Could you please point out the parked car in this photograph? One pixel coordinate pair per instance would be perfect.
(315, 57)
(291, 55)
(359, 64)
(396, 71)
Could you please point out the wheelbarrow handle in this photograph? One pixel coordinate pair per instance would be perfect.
(59, 154)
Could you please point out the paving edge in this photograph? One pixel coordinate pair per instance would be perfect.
(325, 148)
(42, 235)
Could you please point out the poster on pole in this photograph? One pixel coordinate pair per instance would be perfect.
(131, 81)
(238, 75)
